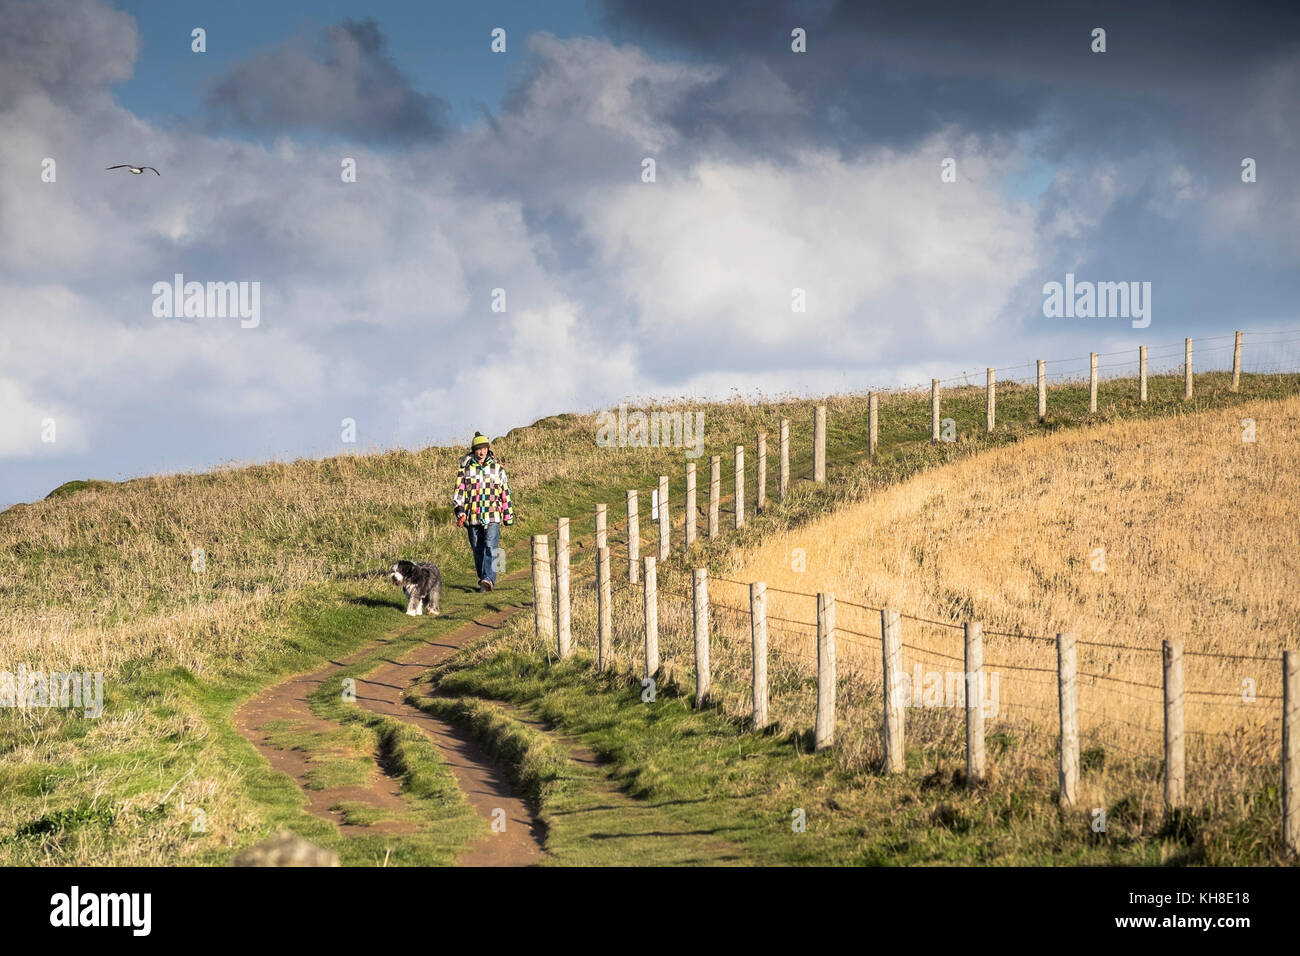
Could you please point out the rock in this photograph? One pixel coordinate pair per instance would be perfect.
(285, 849)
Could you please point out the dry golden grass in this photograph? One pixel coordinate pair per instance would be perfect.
(104, 576)
(1200, 535)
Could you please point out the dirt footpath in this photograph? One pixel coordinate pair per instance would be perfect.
(481, 778)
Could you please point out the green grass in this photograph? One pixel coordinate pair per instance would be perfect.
(254, 800)
(362, 814)
(701, 773)
(589, 820)
(70, 487)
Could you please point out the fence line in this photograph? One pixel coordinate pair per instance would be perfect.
(1069, 680)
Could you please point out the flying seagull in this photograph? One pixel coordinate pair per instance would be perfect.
(137, 170)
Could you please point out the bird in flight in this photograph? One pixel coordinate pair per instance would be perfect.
(137, 170)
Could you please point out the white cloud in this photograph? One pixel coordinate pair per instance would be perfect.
(886, 253)
(31, 429)
(376, 295)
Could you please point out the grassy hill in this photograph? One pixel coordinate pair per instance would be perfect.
(191, 592)
(1198, 526)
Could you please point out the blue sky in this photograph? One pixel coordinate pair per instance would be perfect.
(442, 46)
(523, 172)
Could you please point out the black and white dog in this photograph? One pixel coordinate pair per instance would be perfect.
(422, 584)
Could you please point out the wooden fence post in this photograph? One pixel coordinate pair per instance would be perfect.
(543, 623)
(990, 401)
(651, 620)
(690, 504)
(873, 425)
(633, 536)
(665, 521)
(824, 728)
(1068, 703)
(740, 486)
(1092, 383)
(1042, 390)
(891, 654)
(758, 635)
(1187, 369)
(604, 626)
(934, 410)
(703, 678)
(715, 493)
(1142, 373)
(760, 492)
(975, 684)
(783, 480)
(562, 606)
(1291, 750)
(602, 533)
(1236, 362)
(819, 444)
(1175, 763)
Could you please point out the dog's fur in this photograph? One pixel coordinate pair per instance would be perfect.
(422, 584)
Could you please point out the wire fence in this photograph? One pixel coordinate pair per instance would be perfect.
(1206, 726)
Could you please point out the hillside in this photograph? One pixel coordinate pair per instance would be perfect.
(191, 593)
(1007, 537)
(1124, 534)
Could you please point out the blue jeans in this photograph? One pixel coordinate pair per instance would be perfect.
(488, 557)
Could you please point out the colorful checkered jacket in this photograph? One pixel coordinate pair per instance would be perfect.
(483, 491)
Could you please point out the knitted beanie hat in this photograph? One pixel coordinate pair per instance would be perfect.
(480, 441)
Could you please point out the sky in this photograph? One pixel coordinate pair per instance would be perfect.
(917, 171)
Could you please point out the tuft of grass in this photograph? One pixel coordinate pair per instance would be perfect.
(535, 764)
(69, 818)
(71, 487)
(362, 814)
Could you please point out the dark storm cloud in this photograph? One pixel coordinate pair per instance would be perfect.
(63, 48)
(891, 73)
(1143, 143)
(343, 83)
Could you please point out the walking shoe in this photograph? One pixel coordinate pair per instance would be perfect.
(485, 585)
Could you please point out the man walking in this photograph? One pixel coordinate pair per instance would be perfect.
(483, 504)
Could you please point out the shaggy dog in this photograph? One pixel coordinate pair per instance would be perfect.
(422, 584)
